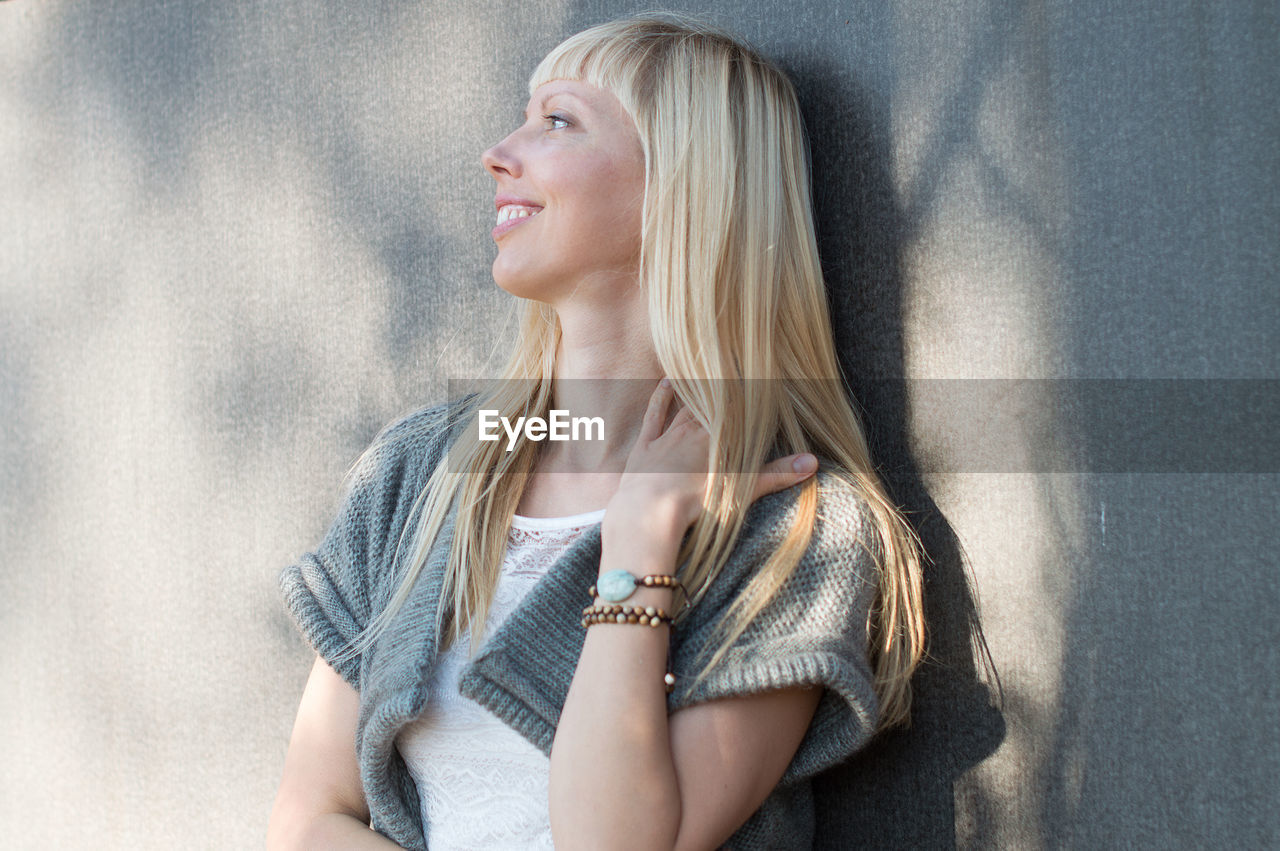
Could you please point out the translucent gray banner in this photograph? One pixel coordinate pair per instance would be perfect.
(1060, 425)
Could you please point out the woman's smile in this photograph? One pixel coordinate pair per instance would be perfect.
(513, 212)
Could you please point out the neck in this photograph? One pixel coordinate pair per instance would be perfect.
(606, 367)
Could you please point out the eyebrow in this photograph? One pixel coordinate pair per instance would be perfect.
(549, 95)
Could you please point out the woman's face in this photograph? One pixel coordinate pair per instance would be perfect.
(569, 197)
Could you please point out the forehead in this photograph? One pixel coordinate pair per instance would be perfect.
(584, 94)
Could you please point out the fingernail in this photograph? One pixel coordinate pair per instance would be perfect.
(805, 464)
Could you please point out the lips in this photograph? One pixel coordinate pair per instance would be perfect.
(513, 212)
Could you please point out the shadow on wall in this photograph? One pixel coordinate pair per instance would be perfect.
(291, 146)
(898, 792)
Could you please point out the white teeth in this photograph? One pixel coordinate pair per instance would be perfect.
(515, 211)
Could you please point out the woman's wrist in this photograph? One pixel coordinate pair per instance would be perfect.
(641, 550)
(646, 523)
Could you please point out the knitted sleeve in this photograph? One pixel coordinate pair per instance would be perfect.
(330, 592)
(814, 631)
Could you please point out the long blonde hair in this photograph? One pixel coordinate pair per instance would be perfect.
(729, 263)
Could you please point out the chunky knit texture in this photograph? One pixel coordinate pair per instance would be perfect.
(813, 632)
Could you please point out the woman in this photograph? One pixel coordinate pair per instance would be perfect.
(752, 625)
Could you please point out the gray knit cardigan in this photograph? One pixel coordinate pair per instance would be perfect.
(813, 632)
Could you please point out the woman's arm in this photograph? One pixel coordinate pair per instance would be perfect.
(321, 801)
(623, 774)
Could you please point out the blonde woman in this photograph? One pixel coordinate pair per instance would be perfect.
(652, 639)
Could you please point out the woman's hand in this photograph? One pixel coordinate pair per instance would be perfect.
(665, 479)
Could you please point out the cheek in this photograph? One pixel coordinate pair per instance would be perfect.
(612, 203)
(630, 200)
(608, 230)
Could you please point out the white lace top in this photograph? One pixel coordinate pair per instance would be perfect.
(481, 784)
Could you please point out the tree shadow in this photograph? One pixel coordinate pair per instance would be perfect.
(171, 79)
(899, 791)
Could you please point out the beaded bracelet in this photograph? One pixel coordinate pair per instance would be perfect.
(643, 615)
(617, 585)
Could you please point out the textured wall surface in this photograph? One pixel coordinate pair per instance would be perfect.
(237, 238)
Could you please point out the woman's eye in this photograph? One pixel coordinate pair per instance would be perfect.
(557, 122)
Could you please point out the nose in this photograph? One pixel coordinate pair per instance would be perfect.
(500, 160)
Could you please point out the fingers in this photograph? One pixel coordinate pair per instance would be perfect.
(684, 418)
(777, 475)
(784, 473)
(655, 416)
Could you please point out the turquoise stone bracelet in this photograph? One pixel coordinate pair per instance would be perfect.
(617, 585)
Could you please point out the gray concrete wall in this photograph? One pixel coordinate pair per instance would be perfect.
(237, 238)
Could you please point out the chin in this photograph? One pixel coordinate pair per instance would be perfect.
(520, 286)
